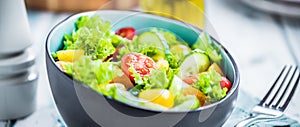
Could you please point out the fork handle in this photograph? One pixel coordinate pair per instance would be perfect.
(253, 118)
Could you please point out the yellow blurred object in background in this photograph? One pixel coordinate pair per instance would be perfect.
(79, 5)
(191, 11)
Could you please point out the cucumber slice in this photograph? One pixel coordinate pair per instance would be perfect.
(180, 50)
(156, 40)
(191, 102)
(193, 63)
(150, 38)
(176, 86)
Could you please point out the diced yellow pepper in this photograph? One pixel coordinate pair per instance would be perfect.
(162, 64)
(69, 55)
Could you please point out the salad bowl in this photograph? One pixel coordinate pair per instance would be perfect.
(80, 106)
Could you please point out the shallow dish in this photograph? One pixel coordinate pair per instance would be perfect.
(81, 106)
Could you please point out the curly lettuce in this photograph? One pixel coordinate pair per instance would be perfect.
(209, 84)
(94, 36)
(94, 72)
(157, 79)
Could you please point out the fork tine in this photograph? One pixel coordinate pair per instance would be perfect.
(263, 109)
(283, 107)
(285, 90)
(273, 86)
(280, 87)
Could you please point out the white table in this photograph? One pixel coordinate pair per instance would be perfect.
(260, 43)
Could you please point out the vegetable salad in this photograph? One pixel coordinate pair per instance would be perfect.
(153, 68)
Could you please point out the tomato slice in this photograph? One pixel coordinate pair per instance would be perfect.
(225, 83)
(141, 63)
(191, 79)
(126, 32)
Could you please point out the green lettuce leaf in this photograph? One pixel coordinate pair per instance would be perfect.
(68, 68)
(105, 71)
(140, 82)
(159, 79)
(170, 37)
(173, 61)
(94, 36)
(110, 89)
(81, 21)
(94, 73)
(95, 43)
(205, 43)
(54, 56)
(209, 84)
(135, 46)
(83, 71)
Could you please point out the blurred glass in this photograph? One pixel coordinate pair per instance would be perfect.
(191, 11)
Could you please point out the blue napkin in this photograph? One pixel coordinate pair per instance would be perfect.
(2, 123)
(244, 105)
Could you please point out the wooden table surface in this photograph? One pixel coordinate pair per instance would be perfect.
(261, 44)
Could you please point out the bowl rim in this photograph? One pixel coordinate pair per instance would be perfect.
(236, 74)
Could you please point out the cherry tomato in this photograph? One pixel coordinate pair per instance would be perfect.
(140, 63)
(225, 83)
(126, 32)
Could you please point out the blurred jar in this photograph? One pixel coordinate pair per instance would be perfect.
(191, 11)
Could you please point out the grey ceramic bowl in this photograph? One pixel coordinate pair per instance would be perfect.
(80, 106)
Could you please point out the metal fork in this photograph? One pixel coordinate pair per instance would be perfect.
(277, 98)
